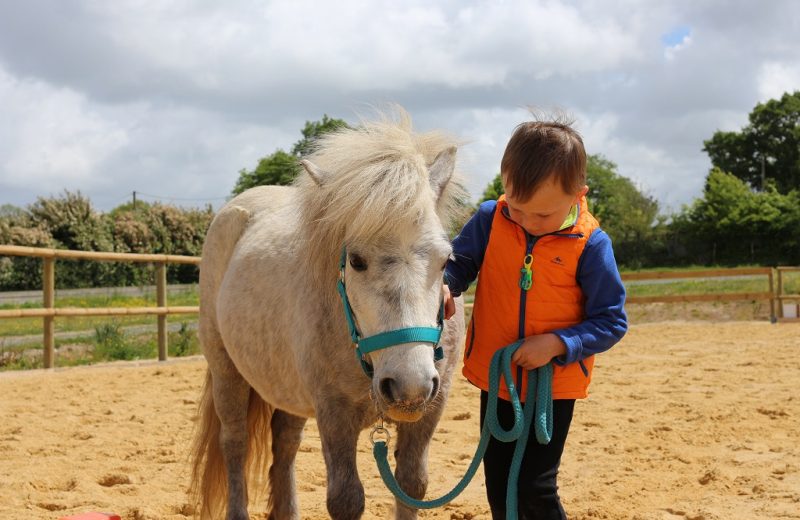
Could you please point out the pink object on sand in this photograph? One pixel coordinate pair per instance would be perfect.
(92, 516)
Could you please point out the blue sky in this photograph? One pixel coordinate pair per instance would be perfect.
(676, 36)
(173, 98)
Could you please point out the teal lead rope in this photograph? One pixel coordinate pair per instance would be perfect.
(538, 411)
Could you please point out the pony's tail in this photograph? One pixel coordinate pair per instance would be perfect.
(208, 490)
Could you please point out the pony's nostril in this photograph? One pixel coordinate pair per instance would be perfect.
(386, 385)
(434, 387)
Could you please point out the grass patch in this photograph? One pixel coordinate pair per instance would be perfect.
(712, 285)
(109, 342)
(184, 342)
(697, 286)
(24, 326)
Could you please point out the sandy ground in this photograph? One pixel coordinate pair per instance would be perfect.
(687, 421)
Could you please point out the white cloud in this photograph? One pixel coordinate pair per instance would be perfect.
(671, 51)
(362, 46)
(775, 78)
(108, 97)
(52, 136)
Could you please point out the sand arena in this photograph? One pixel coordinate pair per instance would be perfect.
(686, 421)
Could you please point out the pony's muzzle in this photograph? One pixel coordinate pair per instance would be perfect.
(405, 400)
(393, 392)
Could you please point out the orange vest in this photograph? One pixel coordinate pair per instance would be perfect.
(554, 301)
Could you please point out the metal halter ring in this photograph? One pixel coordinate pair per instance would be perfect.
(380, 430)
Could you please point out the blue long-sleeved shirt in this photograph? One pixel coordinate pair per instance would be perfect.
(605, 321)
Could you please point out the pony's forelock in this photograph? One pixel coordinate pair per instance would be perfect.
(374, 179)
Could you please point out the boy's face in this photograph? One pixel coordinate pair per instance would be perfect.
(545, 211)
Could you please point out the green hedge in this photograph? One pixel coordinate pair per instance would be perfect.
(69, 221)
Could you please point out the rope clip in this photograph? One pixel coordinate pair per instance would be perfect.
(526, 278)
(380, 429)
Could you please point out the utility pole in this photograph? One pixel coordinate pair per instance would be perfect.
(134, 199)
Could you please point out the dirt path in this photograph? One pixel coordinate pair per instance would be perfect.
(687, 421)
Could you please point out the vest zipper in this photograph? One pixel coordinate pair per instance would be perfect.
(530, 241)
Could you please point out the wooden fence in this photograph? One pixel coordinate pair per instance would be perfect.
(770, 294)
(784, 298)
(767, 295)
(48, 313)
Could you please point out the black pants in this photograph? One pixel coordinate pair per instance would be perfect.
(538, 492)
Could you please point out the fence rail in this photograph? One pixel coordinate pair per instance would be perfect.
(782, 296)
(48, 313)
(769, 296)
(774, 295)
(97, 311)
(96, 255)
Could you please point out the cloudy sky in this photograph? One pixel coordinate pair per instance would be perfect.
(173, 98)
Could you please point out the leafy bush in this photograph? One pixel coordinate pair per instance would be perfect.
(183, 342)
(19, 272)
(110, 344)
(69, 222)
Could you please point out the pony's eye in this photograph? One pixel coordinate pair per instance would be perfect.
(358, 263)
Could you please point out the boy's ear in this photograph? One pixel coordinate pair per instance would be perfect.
(581, 193)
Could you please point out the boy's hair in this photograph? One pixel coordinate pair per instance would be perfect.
(539, 150)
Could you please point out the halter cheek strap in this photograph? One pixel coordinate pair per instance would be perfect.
(390, 338)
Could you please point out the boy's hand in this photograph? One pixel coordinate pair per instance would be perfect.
(449, 303)
(539, 350)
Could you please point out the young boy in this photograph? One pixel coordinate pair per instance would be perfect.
(548, 276)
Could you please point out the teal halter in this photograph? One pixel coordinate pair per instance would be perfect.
(390, 338)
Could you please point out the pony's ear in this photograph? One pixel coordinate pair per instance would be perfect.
(442, 169)
(316, 174)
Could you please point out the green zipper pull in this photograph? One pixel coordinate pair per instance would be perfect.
(526, 280)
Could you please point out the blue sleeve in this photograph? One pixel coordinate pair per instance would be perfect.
(468, 249)
(605, 321)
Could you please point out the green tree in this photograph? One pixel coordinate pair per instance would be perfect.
(493, 190)
(624, 211)
(281, 167)
(628, 216)
(278, 168)
(313, 130)
(734, 224)
(770, 143)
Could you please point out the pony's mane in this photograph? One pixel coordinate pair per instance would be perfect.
(375, 177)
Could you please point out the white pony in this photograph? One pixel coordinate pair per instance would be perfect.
(274, 331)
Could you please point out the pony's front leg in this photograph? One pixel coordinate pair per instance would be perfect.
(339, 425)
(412, 460)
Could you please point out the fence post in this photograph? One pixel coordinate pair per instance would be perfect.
(49, 300)
(772, 316)
(161, 301)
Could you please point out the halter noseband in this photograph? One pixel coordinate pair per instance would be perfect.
(390, 338)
